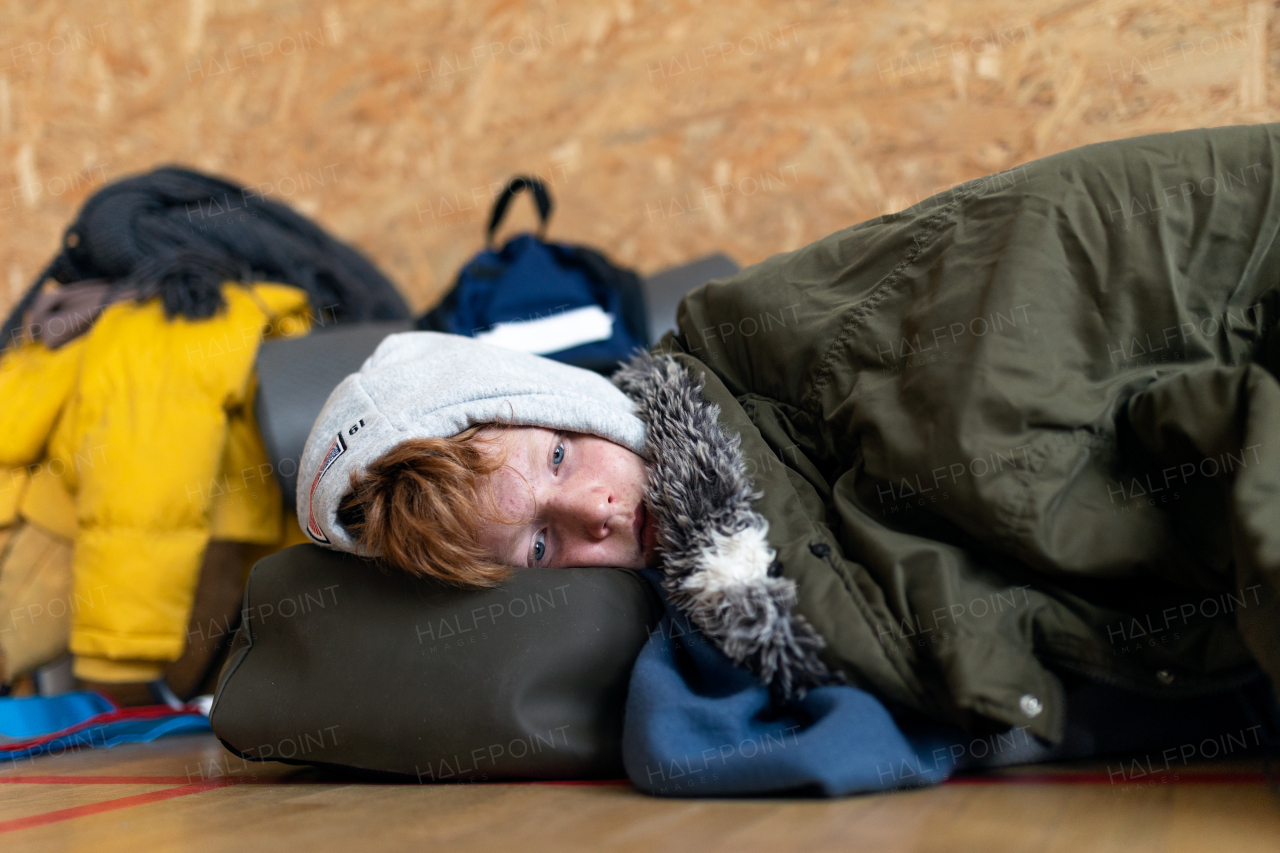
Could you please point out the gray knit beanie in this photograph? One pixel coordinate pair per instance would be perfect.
(434, 385)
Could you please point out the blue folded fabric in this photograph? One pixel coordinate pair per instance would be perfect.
(35, 716)
(36, 725)
(696, 726)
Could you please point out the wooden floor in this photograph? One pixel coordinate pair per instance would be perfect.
(187, 793)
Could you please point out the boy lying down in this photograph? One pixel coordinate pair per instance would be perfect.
(1018, 434)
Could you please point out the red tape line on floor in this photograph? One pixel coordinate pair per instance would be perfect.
(183, 788)
(109, 805)
(253, 780)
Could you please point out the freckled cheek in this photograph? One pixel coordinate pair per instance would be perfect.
(606, 553)
(512, 498)
(627, 469)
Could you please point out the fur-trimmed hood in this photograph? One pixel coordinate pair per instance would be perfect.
(717, 564)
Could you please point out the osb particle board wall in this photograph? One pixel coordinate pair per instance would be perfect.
(666, 129)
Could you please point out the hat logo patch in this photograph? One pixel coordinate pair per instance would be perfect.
(336, 449)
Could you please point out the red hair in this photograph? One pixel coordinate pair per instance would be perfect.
(422, 505)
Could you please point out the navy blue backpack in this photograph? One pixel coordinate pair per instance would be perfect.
(562, 301)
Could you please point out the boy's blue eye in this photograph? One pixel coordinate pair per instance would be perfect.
(539, 547)
(557, 455)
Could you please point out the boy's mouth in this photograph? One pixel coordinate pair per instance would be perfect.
(647, 537)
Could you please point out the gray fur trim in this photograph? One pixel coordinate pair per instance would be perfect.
(717, 564)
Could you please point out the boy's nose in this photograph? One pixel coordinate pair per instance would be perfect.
(592, 510)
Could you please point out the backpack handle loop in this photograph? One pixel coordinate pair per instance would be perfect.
(540, 196)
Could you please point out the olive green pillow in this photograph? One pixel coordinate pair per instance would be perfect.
(340, 663)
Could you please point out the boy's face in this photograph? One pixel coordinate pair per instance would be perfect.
(573, 500)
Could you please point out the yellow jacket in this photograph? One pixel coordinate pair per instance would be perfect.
(137, 440)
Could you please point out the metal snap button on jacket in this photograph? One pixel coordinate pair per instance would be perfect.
(1030, 705)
